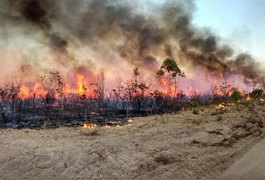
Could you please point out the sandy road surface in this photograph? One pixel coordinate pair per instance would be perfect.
(180, 146)
(250, 166)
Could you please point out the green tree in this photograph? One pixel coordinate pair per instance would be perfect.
(170, 70)
(236, 97)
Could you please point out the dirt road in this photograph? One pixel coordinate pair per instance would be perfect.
(250, 166)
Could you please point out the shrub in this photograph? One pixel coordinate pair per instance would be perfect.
(236, 96)
(194, 103)
(256, 93)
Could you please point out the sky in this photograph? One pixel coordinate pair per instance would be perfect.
(241, 23)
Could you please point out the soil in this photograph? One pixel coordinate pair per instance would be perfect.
(173, 146)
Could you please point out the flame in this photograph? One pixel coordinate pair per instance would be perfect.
(220, 106)
(24, 92)
(166, 88)
(79, 88)
(88, 125)
(38, 91)
(83, 87)
(230, 104)
(80, 84)
(66, 90)
(248, 98)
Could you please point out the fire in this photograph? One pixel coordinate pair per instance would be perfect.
(80, 84)
(80, 88)
(248, 98)
(166, 88)
(220, 106)
(66, 89)
(39, 91)
(88, 125)
(230, 104)
(36, 91)
(83, 87)
(24, 92)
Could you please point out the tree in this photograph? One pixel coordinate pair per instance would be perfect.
(171, 70)
(133, 93)
(99, 88)
(52, 84)
(137, 89)
(168, 75)
(10, 92)
(236, 97)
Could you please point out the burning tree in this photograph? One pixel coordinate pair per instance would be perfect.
(99, 88)
(169, 73)
(135, 92)
(10, 92)
(222, 92)
(53, 85)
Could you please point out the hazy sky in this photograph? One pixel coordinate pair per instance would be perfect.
(239, 22)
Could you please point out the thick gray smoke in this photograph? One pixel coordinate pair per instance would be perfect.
(119, 34)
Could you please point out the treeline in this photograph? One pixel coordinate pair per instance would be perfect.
(135, 97)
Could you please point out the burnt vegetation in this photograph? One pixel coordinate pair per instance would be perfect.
(47, 105)
(80, 36)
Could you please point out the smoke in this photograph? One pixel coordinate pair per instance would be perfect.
(68, 35)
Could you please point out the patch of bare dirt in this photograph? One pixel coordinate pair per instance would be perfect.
(179, 146)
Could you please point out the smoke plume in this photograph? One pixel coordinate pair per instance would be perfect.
(116, 36)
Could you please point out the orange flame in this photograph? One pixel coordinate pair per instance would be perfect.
(248, 98)
(220, 106)
(24, 92)
(166, 89)
(88, 125)
(80, 88)
(38, 91)
(80, 84)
